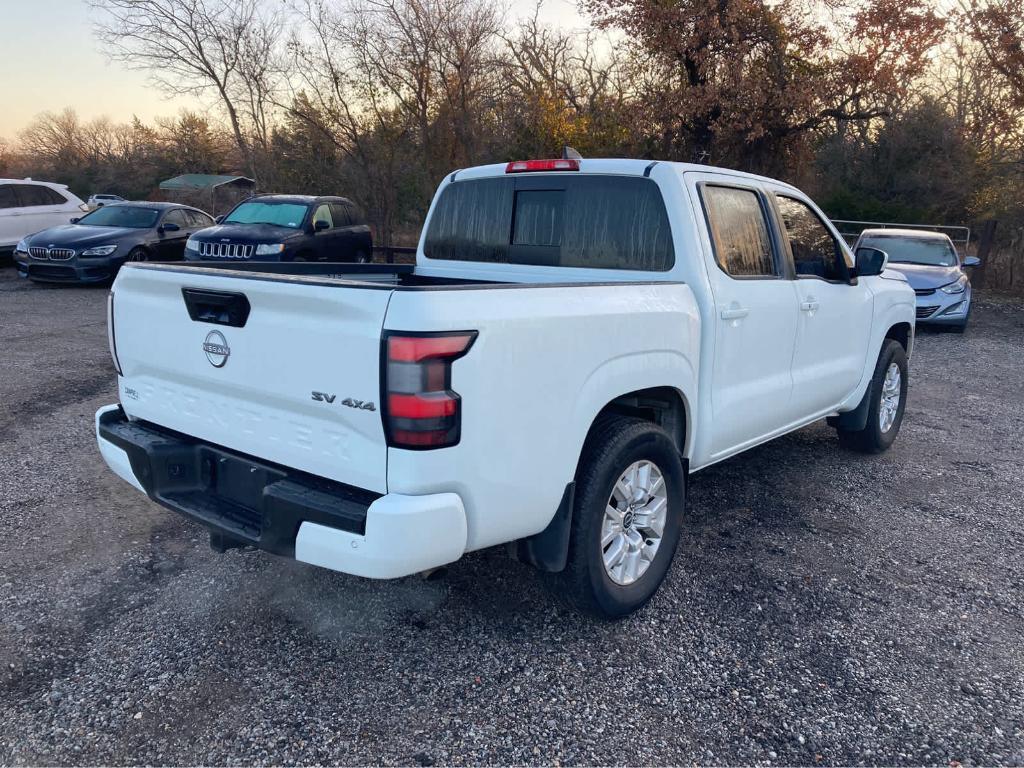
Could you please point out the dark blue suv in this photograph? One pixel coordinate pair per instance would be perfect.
(286, 228)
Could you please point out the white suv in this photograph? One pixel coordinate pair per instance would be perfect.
(98, 201)
(28, 206)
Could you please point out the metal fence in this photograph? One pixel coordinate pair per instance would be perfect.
(850, 230)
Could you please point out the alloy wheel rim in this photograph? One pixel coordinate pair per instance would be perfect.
(634, 522)
(890, 401)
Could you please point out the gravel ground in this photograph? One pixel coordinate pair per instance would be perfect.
(825, 608)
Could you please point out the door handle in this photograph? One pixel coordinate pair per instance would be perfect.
(809, 306)
(735, 313)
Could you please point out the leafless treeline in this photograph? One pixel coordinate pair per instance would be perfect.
(378, 99)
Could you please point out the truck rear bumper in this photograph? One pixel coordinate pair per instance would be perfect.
(283, 511)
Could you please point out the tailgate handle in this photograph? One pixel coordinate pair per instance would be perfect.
(218, 307)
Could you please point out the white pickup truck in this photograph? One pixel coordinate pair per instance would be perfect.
(575, 337)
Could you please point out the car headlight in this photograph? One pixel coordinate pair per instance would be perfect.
(958, 287)
(191, 244)
(269, 249)
(22, 246)
(99, 250)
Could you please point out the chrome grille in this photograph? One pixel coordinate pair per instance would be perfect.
(225, 250)
(53, 254)
(923, 312)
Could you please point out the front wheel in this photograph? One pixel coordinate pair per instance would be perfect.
(628, 510)
(137, 254)
(887, 400)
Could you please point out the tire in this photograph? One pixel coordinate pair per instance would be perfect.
(873, 438)
(615, 446)
(362, 258)
(138, 253)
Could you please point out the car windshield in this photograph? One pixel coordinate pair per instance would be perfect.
(911, 250)
(121, 216)
(265, 212)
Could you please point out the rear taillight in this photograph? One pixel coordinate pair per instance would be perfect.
(111, 339)
(526, 166)
(420, 409)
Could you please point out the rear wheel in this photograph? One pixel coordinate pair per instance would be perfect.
(362, 257)
(887, 400)
(628, 510)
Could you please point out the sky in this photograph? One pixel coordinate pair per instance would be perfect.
(52, 60)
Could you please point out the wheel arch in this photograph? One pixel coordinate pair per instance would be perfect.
(665, 406)
(903, 333)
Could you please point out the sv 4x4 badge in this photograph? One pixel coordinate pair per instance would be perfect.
(363, 405)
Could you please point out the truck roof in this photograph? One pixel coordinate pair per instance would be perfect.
(619, 166)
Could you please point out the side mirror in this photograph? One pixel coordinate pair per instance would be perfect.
(971, 261)
(75, 220)
(170, 227)
(320, 225)
(219, 219)
(870, 261)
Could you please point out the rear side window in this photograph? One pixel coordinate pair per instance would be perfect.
(601, 222)
(739, 231)
(7, 196)
(176, 216)
(35, 194)
(197, 219)
(342, 214)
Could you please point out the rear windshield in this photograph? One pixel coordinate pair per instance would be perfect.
(602, 222)
(281, 214)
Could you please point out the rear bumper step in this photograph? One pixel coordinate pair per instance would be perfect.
(282, 511)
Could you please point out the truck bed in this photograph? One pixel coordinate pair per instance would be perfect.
(392, 277)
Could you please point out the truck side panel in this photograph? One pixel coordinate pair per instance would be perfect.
(546, 361)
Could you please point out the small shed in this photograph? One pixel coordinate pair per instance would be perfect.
(209, 191)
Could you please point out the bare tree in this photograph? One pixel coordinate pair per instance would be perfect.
(228, 47)
(403, 88)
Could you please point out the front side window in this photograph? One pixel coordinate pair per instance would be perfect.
(816, 253)
(288, 215)
(739, 231)
(7, 197)
(558, 220)
(129, 216)
(323, 213)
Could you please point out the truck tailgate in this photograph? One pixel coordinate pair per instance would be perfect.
(274, 387)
